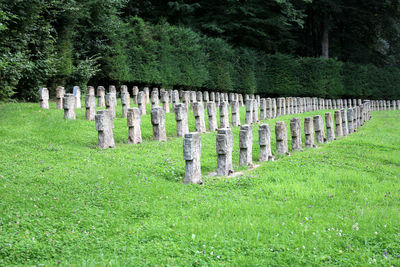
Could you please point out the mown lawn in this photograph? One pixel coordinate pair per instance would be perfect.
(63, 201)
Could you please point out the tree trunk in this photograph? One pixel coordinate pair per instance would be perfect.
(325, 37)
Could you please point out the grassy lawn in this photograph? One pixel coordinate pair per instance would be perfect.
(64, 201)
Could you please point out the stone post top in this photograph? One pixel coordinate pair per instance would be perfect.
(280, 124)
(224, 131)
(112, 89)
(295, 119)
(192, 135)
(245, 127)
(264, 126)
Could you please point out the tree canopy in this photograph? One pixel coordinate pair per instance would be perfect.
(223, 45)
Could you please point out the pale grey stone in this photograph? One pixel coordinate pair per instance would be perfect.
(125, 101)
(101, 93)
(330, 132)
(281, 138)
(181, 118)
(104, 126)
(224, 146)
(154, 98)
(60, 91)
(141, 99)
(198, 112)
(90, 104)
(212, 116)
(77, 94)
(135, 92)
(158, 121)
(309, 132)
(44, 98)
(69, 106)
(249, 112)
(224, 115)
(319, 129)
(134, 122)
(235, 113)
(113, 90)
(246, 145)
(199, 96)
(147, 95)
(192, 156)
(110, 104)
(295, 131)
(345, 129)
(165, 101)
(338, 123)
(264, 137)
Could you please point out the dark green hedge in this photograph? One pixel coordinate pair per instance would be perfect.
(176, 57)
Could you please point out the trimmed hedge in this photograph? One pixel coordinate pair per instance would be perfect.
(175, 57)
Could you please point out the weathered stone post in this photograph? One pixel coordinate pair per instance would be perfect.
(110, 104)
(241, 100)
(309, 132)
(330, 132)
(125, 101)
(77, 94)
(133, 122)
(181, 117)
(135, 92)
(158, 121)
(59, 97)
(104, 126)
(212, 116)
(263, 109)
(224, 115)
(264, 138)
(212, 96)
(192, 155)
(69, 106)
(268, 107)
(186, 99)
(199, 96)
(101, 92)
(90, 104)
(274, 112)
(198, 112)
(345, 129)
(113, 90)
(246, 145)
(165, 101)
(249, 112)
(142, 102)
(175, 98)
(154, 98)
(255, 111)
(235, 113)
(338, 123)
(44, 98)
(281, 138)
(319, 129)
(206, 97)
(296, 134)
(147, 95)
(224, 152)
(350, 120)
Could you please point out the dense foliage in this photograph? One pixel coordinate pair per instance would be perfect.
(266, 47)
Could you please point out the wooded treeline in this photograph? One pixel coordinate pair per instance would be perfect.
(326, 48)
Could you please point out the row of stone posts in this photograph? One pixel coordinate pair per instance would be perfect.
(268, 107)
(314, 130)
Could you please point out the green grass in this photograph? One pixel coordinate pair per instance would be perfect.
(65, 201)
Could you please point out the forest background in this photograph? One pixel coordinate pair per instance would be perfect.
(325, 48)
